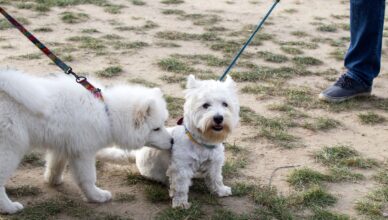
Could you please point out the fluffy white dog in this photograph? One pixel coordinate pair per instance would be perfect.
(211, 112)
(58, 114)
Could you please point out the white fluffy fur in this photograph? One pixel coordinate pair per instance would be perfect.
(188, 159)
(58, 114)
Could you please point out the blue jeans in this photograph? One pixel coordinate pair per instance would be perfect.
(363, 58)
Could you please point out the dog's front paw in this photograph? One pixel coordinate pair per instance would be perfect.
(180, 203)
(11, 208)
(100, 196)
(224, 191)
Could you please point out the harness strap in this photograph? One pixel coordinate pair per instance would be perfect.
(67, 69)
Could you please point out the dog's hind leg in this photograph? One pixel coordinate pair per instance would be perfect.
(55, 165)
(84, 170)
(10, 157)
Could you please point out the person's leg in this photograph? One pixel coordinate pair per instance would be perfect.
(366, 27)
(364, 54)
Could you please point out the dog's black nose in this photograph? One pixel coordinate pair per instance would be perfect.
(218, 119)
(172, 141)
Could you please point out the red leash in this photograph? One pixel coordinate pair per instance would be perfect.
(67, 69)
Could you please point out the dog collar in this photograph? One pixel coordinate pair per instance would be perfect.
(192, 139)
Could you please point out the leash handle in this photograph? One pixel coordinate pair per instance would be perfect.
(248, 41)
(67, 69)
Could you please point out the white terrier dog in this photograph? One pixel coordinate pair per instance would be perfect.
(211, 112)
(56, 113)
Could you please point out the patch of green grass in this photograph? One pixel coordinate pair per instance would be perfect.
(273, 129)
(30, 56)
(41, 210)
(25, 190)
(369, 208)
(172, 2)
(232, 166)
(143, 82)
(370, 118)
(90, 31)
(342, 155)
(242, 189)
(73, 18)
(264, 73)
(125, 197)
(175, 106)
(291, 11)
(33, 159)
(113, 9)
(156, 193)
(201, 19)
(167, 44)
(111, 71)
(300, 97)
(291, 50)
(299, 33)
(43, 29)
(269, 90)
(89, 43)
(272, 205)
(321, 214)
(176, 66)
(41, 8)
(344, 174)
(24, 5)
(150, 25)
(175, 35)
(227, 47)
(338, 54)
(118, 45)
(222, 214)
(322, 124)
(305, 60)
(301, 44)
(206, 59)
(272, 57)
(174, 79)
(4, 23)
(327, 28)
(138, 2)
(314, 197)
(305, 177)
(288, 110)
(194, 212)
(382, 177)
(173, 12)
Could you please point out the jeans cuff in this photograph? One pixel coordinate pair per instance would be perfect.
(358, 79)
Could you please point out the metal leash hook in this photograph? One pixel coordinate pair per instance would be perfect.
(248, 41)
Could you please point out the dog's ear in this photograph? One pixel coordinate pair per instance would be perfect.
(230, 82)
(191, 82)
(143, 112)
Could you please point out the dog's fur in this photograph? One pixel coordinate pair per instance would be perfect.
(204, 101)
(58, 114)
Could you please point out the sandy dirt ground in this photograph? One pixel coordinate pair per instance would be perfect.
(320, 30)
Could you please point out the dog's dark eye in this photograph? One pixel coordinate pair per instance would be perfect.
(225, 104)
(156, 129)
(206, 105)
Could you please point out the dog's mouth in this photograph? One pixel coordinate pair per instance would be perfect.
(217, 127)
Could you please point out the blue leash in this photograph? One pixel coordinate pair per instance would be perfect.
(249, 40)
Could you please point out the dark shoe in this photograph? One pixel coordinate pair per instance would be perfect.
(345, 88)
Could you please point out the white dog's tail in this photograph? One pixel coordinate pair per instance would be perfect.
(24, 89)
(116, 155)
